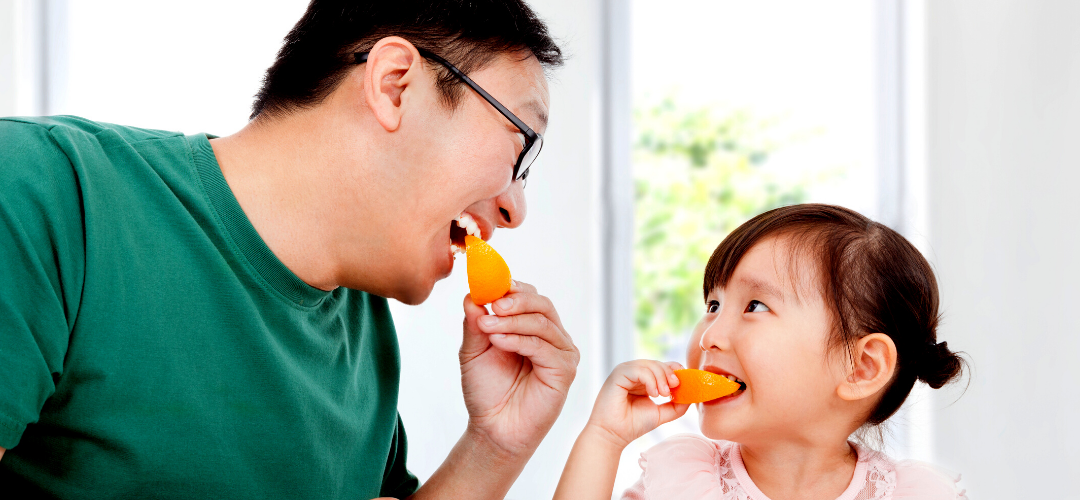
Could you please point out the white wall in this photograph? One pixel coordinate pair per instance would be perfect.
(7, 57)
(1004, 122)
(557, 250)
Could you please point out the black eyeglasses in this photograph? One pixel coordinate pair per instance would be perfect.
(533, 140)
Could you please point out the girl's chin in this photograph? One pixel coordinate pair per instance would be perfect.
(720, 418)
(718, 432)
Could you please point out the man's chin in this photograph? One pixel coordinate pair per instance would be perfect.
(413, 299)
(413, 295)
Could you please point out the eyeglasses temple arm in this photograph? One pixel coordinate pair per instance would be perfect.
(362, 57)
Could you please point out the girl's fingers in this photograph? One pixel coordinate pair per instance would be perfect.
(648, 379)
(644, 377)
(661, 377)
(671, 411)
(640, 380)
(670, 368)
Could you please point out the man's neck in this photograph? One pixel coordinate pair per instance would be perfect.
(274, 167)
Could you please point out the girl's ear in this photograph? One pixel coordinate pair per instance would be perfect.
(873, 365)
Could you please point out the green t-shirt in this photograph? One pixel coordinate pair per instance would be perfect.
(152, 346)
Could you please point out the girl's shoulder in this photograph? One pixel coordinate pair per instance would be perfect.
(916, 479)
(686, 466)
(689, 466)
(887, 479)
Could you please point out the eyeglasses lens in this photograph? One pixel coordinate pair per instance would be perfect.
(527, 158)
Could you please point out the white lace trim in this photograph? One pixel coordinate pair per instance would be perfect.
(729, 484)
(880, 477)
(879, 483)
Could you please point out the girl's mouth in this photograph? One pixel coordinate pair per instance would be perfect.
(742, 385)
(725, 399)
(729, 397)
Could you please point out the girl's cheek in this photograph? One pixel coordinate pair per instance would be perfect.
(693, 355)
(693, 348)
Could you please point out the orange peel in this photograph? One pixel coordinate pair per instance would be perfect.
(697, 386)
(489, 276)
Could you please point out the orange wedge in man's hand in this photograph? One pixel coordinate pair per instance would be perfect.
(697, 386)
(489, 277)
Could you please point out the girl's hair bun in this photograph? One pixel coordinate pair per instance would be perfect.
(939, 365)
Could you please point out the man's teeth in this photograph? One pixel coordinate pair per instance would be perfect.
(466, 222)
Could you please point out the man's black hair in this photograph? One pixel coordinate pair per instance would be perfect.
(318, 52)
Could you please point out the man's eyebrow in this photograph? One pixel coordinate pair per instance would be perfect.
(541, 114)
(763, 287)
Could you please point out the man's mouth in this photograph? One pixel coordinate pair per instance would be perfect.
(462, 226)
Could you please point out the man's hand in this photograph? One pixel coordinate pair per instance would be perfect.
(517, 370)
(515, 374)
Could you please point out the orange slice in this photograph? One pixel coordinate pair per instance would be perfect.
(696, 386)
(489, 277)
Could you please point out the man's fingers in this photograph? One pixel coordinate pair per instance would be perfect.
(474, 340)
(526, 302)
(534, 324)
(540, 353)
(521, 286)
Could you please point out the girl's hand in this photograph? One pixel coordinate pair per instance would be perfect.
(623, 411)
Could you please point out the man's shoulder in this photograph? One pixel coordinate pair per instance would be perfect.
(42, 147)
(74, 125)
(76, 138)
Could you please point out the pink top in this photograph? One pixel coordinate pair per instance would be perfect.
(690, 467)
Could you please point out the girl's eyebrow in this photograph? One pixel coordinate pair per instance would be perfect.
(762, 287)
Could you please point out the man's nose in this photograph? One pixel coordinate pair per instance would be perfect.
(512, 207)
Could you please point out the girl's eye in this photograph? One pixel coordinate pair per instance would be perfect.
(712, 306)
(756, 306)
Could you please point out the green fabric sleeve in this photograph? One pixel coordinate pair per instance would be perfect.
(42, 262)
(398, 482)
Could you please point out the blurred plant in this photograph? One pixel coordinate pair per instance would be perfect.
(698, 174)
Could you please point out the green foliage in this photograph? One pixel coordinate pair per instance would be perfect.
(698, 174)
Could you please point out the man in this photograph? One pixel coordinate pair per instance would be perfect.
(188, 317)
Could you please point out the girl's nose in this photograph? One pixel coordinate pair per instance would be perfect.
(715, 336)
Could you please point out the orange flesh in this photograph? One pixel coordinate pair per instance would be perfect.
(697, 386)
(489, 276)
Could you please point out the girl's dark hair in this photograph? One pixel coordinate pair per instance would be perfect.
(318, 52)
(872, 279)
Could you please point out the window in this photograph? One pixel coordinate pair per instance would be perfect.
(737, 108)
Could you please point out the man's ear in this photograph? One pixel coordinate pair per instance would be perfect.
(392, 65)
(872, 367)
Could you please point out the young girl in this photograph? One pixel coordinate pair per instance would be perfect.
(829, 319)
